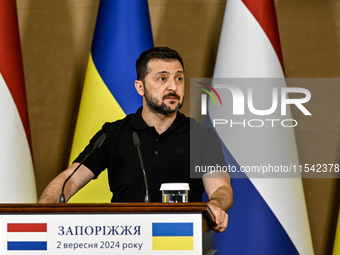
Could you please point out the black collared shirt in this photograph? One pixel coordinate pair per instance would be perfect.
(166, 157)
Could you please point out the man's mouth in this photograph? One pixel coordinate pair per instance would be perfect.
(171, 96)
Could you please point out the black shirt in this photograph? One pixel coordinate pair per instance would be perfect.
(166, 157)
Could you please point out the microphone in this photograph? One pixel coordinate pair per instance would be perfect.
(136, 141)
(96, 145)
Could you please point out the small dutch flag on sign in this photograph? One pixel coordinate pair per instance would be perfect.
(26, 236)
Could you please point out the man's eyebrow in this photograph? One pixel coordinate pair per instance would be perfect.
(166, 72)
(161, 72)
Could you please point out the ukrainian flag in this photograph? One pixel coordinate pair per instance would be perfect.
(122, 32)
(172, 236)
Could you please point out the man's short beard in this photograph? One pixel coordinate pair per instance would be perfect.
(162, 108)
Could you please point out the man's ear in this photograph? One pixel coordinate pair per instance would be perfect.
(139, 87)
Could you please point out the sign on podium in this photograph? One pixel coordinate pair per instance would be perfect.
(121, 228)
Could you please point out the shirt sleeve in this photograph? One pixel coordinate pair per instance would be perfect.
(97, 161)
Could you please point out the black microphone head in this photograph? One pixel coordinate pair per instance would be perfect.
(135, 138)
(62, 198)
(99, 141)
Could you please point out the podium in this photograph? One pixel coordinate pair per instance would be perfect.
(118, 228)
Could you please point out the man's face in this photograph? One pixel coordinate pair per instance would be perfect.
(164, 86)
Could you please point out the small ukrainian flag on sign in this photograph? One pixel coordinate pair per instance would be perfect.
(173, 236)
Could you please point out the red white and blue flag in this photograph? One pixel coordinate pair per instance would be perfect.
(17, 182)
(269, 216)
(26, 236)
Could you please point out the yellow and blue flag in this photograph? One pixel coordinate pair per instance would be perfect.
(122, 32)
(172, 236)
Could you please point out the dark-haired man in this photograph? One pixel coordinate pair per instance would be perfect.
(166, 146)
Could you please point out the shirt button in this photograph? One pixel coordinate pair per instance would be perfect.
(156, 153)
(157, 139)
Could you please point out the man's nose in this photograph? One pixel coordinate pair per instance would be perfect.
(172, 85)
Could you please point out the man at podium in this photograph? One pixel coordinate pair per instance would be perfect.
(169, 143)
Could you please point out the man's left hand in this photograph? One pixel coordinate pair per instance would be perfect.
(221, 218)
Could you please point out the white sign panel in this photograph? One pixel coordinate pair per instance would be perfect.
(101, 234)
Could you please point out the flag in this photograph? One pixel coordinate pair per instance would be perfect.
(122, 32)
(336, 249)
(268, 216)
(26, 236)
(172, 236)
(17, 183)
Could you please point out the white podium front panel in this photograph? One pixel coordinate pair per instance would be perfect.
(179, 233)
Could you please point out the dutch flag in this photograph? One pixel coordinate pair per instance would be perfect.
(268, 215)
(26, 236)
